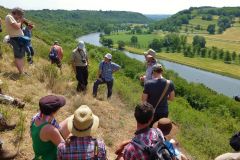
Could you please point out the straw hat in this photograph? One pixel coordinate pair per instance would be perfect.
(167, 127)
(83, 123)
(150, 53)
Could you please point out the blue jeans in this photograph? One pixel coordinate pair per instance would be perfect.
(109, 87)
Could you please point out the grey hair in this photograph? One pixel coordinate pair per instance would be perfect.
(18, 11)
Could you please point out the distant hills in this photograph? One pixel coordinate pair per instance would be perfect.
(157, 16)
(198, 18)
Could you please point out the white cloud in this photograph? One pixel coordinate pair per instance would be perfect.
(143, 6)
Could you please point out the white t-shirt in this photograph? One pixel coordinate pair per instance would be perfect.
(12, 32)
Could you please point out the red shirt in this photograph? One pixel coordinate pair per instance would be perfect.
(59, 51)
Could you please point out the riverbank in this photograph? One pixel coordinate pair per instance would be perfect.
(229, 70)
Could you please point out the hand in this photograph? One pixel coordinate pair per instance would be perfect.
(142, 78)
(121, 147)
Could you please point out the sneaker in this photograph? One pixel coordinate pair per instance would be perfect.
(4, 126)
(30, 62)
(18, 103)
(7, 155)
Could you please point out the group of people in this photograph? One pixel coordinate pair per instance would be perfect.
(74, 138)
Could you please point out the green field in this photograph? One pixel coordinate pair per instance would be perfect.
(143, 40)
(207, 64)
(203, 23)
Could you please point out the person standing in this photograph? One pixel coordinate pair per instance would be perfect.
(150, 61)
(14, 22)
(27, 30)
(106, 69)
(80, 66)
(157, 92)
(56, 54)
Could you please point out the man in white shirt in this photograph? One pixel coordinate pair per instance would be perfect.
(14, 22)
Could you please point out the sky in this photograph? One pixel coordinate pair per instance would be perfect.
(142, 6)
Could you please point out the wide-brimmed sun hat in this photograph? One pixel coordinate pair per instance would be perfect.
(150, 53)
(83, 122)
(108, 56)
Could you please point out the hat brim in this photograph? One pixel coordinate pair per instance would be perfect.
(149, 56)
(90, 132)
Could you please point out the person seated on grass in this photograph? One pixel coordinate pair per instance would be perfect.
(5, 99)
(6, 154)
(81, 144)
(235, 144)
(145, 137)
(169, 130)
(45, 136)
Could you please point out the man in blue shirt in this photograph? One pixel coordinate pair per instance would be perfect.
(106, 69)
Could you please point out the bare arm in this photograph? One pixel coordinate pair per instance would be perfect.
(64, 129)
(54, 136)
(74, 67)
(144, 98)
(16, 25)
(171, 96)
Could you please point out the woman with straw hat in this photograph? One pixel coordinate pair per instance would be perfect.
(81, 144)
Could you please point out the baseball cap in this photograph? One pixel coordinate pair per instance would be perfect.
(108, 56)
(157, 67)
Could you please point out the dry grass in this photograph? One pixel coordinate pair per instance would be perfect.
(116, 121)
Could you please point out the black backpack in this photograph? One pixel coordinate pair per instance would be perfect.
(235, 141)
(53, 55)
(158, 151)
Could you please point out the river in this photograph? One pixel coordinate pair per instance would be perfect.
(221, 84)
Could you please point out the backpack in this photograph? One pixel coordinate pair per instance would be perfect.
(53, 54)
(235, 141)
(158, 151)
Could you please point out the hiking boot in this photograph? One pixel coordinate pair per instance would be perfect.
(7, 155)
(4, 126)
(18, 103)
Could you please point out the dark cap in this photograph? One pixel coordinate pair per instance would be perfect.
(51, 103)
(157, 68)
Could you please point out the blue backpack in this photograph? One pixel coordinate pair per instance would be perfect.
(53, 54)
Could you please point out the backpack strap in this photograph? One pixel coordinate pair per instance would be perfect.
(96, 149)
(163, 93)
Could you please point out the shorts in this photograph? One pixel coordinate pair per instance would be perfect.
(18, 49)
(58, 62)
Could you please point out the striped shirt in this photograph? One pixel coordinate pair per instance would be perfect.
(149, 136)
(76, 148)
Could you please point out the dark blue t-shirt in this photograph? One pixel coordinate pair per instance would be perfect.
(154, 88)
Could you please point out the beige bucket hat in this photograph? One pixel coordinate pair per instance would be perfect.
(83, 122)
